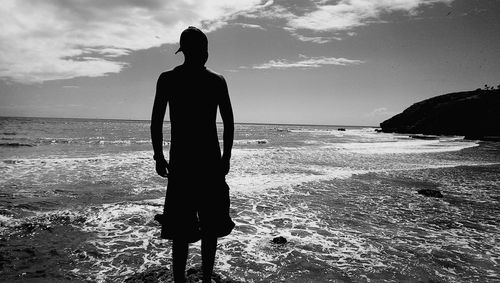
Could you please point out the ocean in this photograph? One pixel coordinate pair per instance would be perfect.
(78, 197)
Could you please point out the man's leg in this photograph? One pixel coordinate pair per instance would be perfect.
(179, 258)
(208, 249)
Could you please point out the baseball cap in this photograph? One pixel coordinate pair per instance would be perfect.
(192, 37)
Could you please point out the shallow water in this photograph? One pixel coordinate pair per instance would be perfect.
(78, 199)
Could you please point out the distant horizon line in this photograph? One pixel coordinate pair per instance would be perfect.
(248, 123)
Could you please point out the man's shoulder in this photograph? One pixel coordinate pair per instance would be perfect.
(214, 74)
(168, 74)
(170, 71)
(179, 71)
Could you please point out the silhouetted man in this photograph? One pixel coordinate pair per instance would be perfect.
(197, 199)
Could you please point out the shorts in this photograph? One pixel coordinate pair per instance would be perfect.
(195, 209)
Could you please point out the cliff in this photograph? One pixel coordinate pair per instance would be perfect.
(473, 114)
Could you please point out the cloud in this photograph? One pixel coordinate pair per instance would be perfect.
(306, 63)
(315, 39)
(348, 14)
(268, 10)
(338, 18)
(380, 112)
(251, 26)
(62, 39)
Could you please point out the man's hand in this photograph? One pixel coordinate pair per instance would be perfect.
(225, 165)
(162, 168)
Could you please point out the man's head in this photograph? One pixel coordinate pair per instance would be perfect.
(194, 45)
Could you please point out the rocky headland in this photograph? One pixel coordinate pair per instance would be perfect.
(473, 114)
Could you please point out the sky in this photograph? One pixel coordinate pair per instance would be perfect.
(340, 62)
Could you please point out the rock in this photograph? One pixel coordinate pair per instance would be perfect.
(279, 240)
(473, 114)
(151, 275)
(491, 138)
(341, 129)
(430, 193)
(162, 274)
(424, 137)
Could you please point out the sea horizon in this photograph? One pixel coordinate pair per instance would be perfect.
(218, 122)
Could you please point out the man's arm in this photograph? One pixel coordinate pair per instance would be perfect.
(159, 108)
(226, 113)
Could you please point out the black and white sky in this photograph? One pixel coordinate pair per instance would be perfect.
(340, 62)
